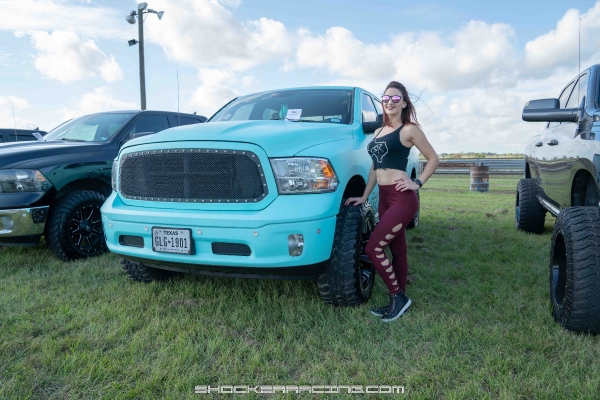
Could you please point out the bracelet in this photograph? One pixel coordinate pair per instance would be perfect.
(418, 182)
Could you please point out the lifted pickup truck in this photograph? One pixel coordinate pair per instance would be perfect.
(562, 173)
(258, 191)
(55, 187)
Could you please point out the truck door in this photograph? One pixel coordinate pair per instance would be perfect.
(561, 148)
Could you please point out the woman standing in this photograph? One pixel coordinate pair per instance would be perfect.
(398, 202)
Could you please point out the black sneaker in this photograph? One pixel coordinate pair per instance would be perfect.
(398, 305)
(378, 312)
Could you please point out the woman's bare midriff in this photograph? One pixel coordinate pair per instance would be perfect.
(389, 176)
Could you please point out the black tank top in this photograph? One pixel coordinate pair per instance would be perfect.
(388, 152)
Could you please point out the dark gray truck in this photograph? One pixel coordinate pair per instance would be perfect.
(9, 135)
(56, 187)
(562, 176)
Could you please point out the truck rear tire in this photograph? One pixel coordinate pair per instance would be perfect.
(143, 273)
(575, 269)
(415, 221)
(349, 274)
(529, 213)
(75, 226)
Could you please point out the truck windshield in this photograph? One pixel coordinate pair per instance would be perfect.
(301, 105)
(89, 128)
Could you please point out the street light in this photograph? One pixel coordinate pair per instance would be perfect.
(140, 17)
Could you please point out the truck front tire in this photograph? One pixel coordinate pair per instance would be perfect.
(75, 226)
(349, 275)
(575, 269)
(529, 213)
(142, 273)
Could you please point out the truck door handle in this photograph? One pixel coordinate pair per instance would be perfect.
(553, 142)
(538, 144)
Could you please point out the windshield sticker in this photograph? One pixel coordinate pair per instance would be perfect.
(293, 114)
(335, 120)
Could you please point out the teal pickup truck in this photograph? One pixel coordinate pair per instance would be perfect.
(257, 191)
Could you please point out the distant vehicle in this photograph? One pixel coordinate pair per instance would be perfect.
(562, 173)
(55, 187)
(257, 191)
(18, 135)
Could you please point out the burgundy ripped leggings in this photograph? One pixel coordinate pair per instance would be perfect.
(396, 211)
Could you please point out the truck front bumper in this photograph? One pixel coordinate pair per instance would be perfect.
(22, 226)
(265, 232)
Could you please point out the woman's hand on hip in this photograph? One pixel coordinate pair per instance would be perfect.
(355, 200)
(404, 185)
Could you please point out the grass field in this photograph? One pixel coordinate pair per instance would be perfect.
(480, 325)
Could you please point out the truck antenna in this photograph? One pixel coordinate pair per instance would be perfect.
(578, 80)
(178, 117)
(14, 120)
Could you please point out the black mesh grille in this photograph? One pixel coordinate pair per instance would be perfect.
(231, 249)
(133, 241)
(193, 175)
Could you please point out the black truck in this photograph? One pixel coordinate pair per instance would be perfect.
(11, 135)
(562, 177)
(55, 187)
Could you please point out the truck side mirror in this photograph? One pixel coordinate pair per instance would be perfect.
(548, 110)
(370, 127)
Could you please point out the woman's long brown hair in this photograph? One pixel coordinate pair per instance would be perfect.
(408, 115)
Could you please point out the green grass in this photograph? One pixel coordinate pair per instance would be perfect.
(480, 325)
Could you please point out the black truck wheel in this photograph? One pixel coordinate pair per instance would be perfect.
(575, 269)
(349, 274)
(75, 226)
(415, 221)
(529, 213)
(143, 273)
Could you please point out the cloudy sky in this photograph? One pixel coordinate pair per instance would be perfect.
(478, 63)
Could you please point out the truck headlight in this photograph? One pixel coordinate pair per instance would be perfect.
(23, 180)
(113, 174)
(300, 175)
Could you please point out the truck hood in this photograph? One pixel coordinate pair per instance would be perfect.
(15, 154)
(277, 138)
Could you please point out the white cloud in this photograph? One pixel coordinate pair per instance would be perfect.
(97, 101)
(478, 54)
(6, 113)
(216, 89)
(66, 57)
(43, 15)
(559, 47)
(204, 33)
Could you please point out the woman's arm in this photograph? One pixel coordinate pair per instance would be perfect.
(418, 139)
(371, 182)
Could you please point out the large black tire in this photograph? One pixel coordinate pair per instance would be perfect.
(575, 269)
(142, 273)
(529, 213)
(415, 221)
(349, 274)
(75, 226)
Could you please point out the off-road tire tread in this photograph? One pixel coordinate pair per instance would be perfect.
(56, 239)
(142, 273)
(340, 282)
(532, 214)
(411, 224)
(580, 311)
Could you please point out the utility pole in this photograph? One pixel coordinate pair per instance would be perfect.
(140, 17)
(141, 39)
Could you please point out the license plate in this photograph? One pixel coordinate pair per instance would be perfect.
(170, 240)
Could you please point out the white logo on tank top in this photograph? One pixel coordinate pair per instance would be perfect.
(379, 150)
